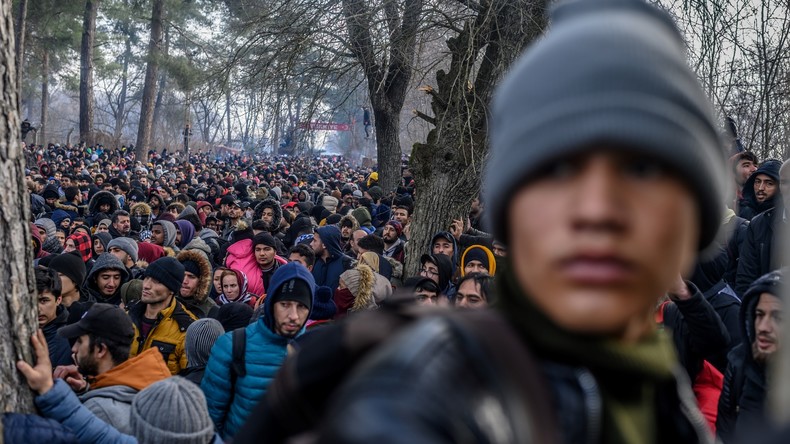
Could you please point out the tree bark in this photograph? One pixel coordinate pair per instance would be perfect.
(149, 87)
(160, 91)
(121, 110)
(42, 128)
(18, 317)
(448, 167)
(86, 71)
(227, 112)
(21, 22)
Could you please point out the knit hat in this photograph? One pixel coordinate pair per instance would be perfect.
(131, 291)
(330, 203)
(171, 411)
(324, 306)
(150, 252)
(376, 193)
(126, 244)
(187, 211)
(191, 267)
(71, 265)
(481, 254)
(265, 239)
(233, 316)
(200, 337)
(295, 290)
(608, 73)
(168, 271)
(396, 225)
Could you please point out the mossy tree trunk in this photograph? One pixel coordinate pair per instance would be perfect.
(447, 167)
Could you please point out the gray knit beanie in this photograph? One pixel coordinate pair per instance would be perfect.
(607, 73)
(201, 336)
(171, 411)
(126, 244)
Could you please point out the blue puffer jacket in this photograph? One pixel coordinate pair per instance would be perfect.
(327, 274)
(264, 353)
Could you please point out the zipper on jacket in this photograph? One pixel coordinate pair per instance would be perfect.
(593, 404)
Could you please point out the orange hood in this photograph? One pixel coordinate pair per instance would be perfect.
(138, 373)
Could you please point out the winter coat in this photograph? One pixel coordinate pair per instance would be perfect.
(276, 209)
(327, 272)
(101, 197)
(241, 257)
(200, 305)
(110, 394)
(265, 351)
(19, 428)
(59, 347)
(743, 395)
(103, 262)
(748, 207)
(756, 258)
(167, 334)
(193, 374)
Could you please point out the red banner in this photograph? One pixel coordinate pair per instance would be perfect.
(324, 126)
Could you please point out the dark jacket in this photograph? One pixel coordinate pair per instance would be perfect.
(194, 374)
(748, 207)
(728, 306)
(103, 262)
(697, 331)
(327, 273)
(59, 348)
(743, 394)
(20, 428)
(756, 255)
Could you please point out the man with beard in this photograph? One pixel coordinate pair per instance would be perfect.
(285, 311)
(393, 244)
(760, 190)
(121, 224)
(743, 395)
(104, 377)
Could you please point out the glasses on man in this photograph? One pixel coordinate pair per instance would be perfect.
(429, 272)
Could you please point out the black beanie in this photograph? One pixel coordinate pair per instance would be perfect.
(191, 266)
(607, 73)
(70, 265)
(265, 239)
(168, 271)
(295, 290)
(477, 254)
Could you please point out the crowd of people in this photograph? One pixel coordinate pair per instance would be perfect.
(202, 300)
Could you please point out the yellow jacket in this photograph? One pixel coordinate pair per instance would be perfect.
(167, 334)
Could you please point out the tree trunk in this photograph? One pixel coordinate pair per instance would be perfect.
(387, 124)
(21, 21)
(121, 110)
(42, 129)
(86, 71)
(227, 112)
(149, 88)
(18, 306)
(448, 167)
(160, 91)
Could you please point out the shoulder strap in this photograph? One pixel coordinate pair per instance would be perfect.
(237, 366)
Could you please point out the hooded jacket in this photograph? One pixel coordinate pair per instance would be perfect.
(756, 256)
(362, 215)
(170, 233)
(265, 351)
(241, 257)
(187, 231)
(449, 236)
(442, 262)
(101, 197)
(276, 209)
(110, 394)
(103, 262)
(327, 273)
(200, 305)
(59, 347)
(167, 334)
(743, 394)
(748, 207)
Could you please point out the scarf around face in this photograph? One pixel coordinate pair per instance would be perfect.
(627, 375)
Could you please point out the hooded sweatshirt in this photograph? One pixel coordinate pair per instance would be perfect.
(187, 231)
(170, 233)
(103, 262)
(448, 236)
(748, 207)
(327, 272)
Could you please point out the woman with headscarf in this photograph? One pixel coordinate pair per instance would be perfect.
(100, 242)
(234, 289)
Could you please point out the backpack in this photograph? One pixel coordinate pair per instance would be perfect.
(297, 400)
(238, 363)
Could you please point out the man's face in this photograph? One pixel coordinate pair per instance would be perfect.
(268, 215)
(144, 182)
(66, 284)
(389, 234)
(767, 326)
(154, 291)
(475, 266)
(289, 317)
(743, 170)
(430, 271)
(158, 235)
(443, 246)
(298, 258)
(345, 232)
(235, 212)
(470, 296)
(602, 251)
(764, 187)
(264, 255)
(84, 357)
(120, 254)
(317, 245)
(355, 237)
(65, 182)
(430, 298)
(190, 285)
(123, 224)
(47, 308)
(108, 282)
(402, 216)
(499, 250)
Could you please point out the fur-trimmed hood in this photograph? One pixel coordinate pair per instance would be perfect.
(205, 278)
(278, 213)
(352, 219)
(102, 197)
